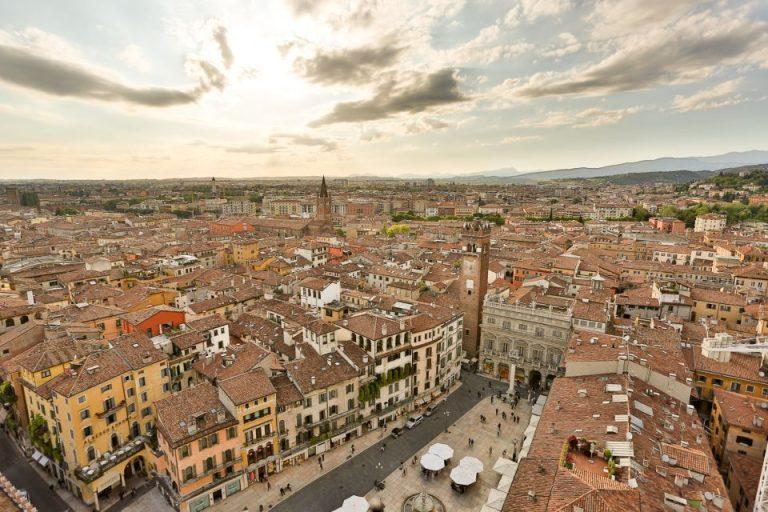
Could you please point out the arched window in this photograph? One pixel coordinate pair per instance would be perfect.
(9, 322)
(24, 319)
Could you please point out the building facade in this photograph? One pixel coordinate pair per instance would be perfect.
(527, 339)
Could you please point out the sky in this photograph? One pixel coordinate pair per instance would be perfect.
(151, 88)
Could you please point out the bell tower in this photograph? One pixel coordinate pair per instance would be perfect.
(476, 242)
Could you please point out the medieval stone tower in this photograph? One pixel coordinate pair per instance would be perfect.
(323, 209)
(323, 221)
(476, 240)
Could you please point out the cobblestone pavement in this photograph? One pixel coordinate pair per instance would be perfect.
(316, 490)
(488, 447)
(150, 501)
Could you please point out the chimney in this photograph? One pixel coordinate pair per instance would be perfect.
(30, 297)
(312, 380)
(757, 421)
(383, 329)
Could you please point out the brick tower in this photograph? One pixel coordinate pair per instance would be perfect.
(476, 239)
(323, 221)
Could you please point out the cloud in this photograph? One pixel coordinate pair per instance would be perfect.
(134, 57)
(282, 143)
(425, 92)
(303, 140)
(23, 68)
(220, 36)
(532, 10)
(58, 69)
(568, 44)
(347, 66)
(612, 18)
(302, 7)
(587, 118)
(519, 138)
(690, 50)
(720, 95)
(484, 48)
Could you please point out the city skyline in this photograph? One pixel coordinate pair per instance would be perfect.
(297, 88)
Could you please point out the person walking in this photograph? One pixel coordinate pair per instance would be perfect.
(497, 411)
(269, 485)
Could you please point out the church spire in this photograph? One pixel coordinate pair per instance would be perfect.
(323, 188)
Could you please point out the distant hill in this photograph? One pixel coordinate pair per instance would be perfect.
(675, 177)
(705, 163)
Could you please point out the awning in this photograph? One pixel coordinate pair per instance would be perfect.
(36, 456)
(40, 458)
(338, 438)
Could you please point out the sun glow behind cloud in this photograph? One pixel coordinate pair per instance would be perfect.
(290, 87)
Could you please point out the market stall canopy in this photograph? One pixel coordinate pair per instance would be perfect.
(443, 451)
(432, 462)
(463, 476)
(472, 463)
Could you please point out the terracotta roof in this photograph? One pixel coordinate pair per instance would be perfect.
(247, 387)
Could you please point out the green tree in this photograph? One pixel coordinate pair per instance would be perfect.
(7, 394)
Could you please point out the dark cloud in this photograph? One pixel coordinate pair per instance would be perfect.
(212, 77)
(347, 66)
(220, 35)
(425, 92)
(58, 78)
(688, 51)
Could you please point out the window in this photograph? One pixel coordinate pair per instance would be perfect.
(46, 373)
(185, 451)
(105, 388)
(144, 396)
(350, 388)
(717, 382)
(746, 441)
(142, 381)
(87, 431)
(750, 389)
(735, 386)
(85, 413)
(231, 432)
(522, 327)
(189, 473)
(146, 412)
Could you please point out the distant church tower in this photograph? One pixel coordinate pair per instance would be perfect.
(476, 240)
(323, 221)
(323, 208)
(214, 191)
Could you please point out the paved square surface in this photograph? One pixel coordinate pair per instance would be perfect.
(488, 447)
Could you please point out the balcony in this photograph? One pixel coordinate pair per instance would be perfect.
(109, 460)
(105, 412)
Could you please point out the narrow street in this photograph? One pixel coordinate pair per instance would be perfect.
(17, 469)
(358, 474)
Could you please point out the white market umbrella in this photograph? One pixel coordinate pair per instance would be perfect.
(355, 504)
(443, 451)
(472, 463)
(432, 462)
(463, 476)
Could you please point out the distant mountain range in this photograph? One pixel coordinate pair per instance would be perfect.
(704, 163)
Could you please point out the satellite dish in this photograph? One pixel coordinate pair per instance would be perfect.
(708, 495)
